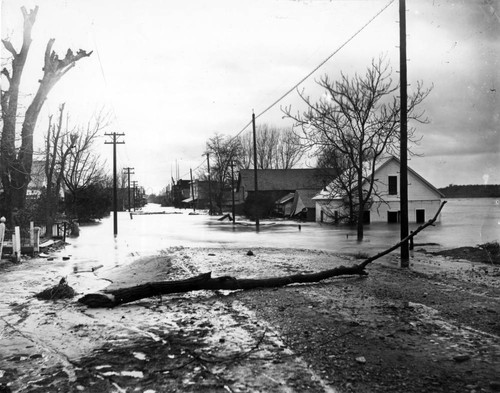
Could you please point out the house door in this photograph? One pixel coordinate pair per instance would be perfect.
(420, 213)
(366, 217)
(392, 217)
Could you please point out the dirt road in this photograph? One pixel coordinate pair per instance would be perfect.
(433, 328)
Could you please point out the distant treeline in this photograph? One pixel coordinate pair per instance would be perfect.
(472, 191)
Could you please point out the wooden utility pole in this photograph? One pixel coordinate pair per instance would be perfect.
(209, 186)
(403, 172)
(256, 183)
(232, 190)
(128, 172)
(134, 187)
(114, 141)
(192, 189)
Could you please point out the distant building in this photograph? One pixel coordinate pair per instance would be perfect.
(275, 184)
(38, 179)
(280, 182)
(423, 198)
(200, 196)
(181, 191)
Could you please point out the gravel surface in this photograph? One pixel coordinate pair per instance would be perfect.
(432, 328)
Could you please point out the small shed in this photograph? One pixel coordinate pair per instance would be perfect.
(283, 206)
(304, 206)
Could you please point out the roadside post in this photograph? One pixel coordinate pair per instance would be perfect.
(32, 233)
(2, 234)
(36, 240)
(16, 244)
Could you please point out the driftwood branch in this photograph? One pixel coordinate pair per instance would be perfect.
(205, 281)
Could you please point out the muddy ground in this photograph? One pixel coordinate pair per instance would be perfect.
(432, 328)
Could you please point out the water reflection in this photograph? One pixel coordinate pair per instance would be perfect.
(464, 222)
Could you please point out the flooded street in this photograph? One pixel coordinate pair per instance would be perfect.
(463, 222)
(46, 345)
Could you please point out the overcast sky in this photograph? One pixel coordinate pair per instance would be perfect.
(172, 73)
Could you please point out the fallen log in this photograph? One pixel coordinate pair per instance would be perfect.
(205, 281)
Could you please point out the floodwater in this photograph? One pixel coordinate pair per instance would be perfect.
(463, 222)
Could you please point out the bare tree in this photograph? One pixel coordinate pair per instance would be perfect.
(70, 163)
(289, 151)
(58, 145)
(359, 121)
(277, 148)
(15, 164)
(83, 166)
(224, 151)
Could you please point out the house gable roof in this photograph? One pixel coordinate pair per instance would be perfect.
(285, 179)
(325, 194)
(287, 198)
(306, 196)
(303, 199)
(398, 162)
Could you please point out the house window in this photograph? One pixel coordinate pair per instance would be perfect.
(392, 217)
(420, 213)
(393, 185)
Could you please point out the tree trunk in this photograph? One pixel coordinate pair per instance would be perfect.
(361, 204)
(54, 69)
(9, 103)
(15, 171)
(206, 282)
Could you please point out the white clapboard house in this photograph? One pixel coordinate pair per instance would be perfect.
(423, 198)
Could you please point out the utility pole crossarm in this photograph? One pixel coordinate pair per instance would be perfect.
(115, 137)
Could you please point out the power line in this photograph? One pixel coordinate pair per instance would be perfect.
(313, 71)
(316, 68)
(324, 61)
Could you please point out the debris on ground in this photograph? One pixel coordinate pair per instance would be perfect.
(59, 291)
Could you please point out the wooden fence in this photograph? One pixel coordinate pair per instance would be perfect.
(19, 242)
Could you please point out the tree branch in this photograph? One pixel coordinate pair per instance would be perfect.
(9, 47)
(5, 72)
